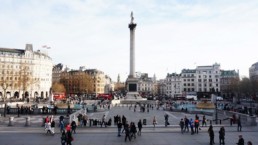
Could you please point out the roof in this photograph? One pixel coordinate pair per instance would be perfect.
(229, 73)
(12, 50)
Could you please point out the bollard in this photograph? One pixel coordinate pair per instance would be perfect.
(210, 122)
(10, 121)
(220, 121)
(27, 122)
(90, 122)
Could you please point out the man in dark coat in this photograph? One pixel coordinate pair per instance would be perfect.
(222, 135)
(211, 134)
(241, 140)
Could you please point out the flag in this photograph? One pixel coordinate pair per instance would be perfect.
(44, 46)
(48, 47)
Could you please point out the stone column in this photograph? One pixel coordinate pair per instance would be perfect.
(132, 27)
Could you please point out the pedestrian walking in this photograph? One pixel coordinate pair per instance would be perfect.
(181, 124)
(119, 127)
(211, 134)
(154, 121)
(239, 124)
(103, 121)
(241, 141)
(53, 124)
(69, 138)
(166, 120)
(127, 132)
(85, 119)
(196, 125)
(73, 125)
(191, 123)
(63, 138)
(222, 135)
(204, 121)
(139, 128)
(133, 130)
(61, 125)
(186, 120)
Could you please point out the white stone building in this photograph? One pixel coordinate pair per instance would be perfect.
(146, 85)
(173, 85)
(25, 73)
(208, 78)
(188, 77)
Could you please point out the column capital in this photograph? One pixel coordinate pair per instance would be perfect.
(132, 26)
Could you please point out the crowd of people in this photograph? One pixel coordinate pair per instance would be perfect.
(130, 130)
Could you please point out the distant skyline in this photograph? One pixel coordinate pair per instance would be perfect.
(171, 35)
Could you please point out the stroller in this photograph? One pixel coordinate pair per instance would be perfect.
(48, 129)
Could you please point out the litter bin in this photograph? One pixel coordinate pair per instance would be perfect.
(144, 122)
(10, 121)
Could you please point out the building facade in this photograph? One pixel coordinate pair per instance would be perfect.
(202, 81)
(173, 85)
(58, 69)
(188, 77)
(208, 80)
(147, 86)
(86, 81)
(253, 72)
(229, 80)
(25, 73)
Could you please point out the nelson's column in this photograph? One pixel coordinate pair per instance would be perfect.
(132, 81)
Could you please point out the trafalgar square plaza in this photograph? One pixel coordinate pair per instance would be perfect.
(130, 119)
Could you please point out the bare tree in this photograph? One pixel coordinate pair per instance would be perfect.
(4, 84)
(58, 87)
(78, 82)
(26, 81)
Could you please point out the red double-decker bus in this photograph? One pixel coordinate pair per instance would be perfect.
(105, 96)
(59, 96)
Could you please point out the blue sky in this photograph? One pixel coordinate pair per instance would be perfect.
(170, 35)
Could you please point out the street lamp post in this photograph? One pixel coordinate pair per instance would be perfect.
(216, 106)
(216, 109)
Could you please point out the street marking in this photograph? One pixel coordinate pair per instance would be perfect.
(171, 115)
